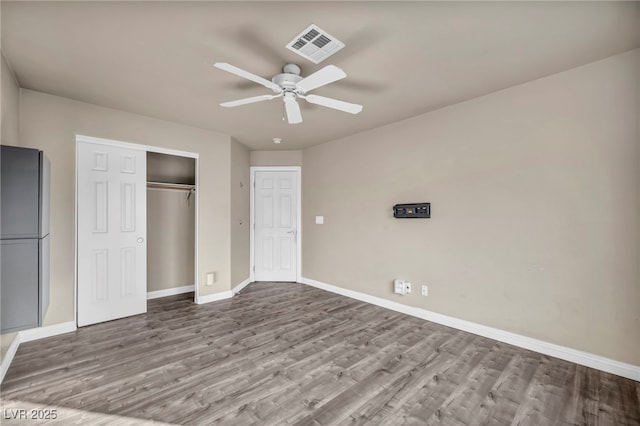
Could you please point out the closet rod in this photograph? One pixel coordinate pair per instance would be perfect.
(176, 186)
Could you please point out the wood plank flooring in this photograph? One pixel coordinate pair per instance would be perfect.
(289, 354)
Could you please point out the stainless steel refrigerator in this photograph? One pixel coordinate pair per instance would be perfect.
(24, 234)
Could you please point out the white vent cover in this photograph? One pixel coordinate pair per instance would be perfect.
(315, 44)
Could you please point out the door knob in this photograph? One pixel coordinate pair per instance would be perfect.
(291, 231)
(140, 240)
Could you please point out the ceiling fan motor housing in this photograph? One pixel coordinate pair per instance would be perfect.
(291, 69)
(288, 79)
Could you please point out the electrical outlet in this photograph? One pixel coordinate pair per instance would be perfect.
(401, 287)
(398, 287)
(211, 278)
(425, 290)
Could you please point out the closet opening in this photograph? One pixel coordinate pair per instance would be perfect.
(171, 225)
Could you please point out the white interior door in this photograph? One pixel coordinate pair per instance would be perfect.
(112, 248)
(276, 225)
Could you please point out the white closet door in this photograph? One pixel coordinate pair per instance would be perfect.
(275, 226)
(112, 248)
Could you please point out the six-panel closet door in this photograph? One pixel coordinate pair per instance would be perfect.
(112, 251)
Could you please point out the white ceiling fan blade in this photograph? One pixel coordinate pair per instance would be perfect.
(324, 76)
(294, 116)
(334, 103)
(248, 100)
(246, 74)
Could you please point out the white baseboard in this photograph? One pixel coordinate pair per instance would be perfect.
(30, 335)
(8, 357)
(240, 286)
(48, 331)
(579, 357)
(170, 291)
(214, 297)
(224, 295)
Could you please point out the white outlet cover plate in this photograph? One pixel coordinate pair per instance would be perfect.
(398, 287)
(319, 220)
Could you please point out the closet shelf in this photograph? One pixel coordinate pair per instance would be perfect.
(176, 186)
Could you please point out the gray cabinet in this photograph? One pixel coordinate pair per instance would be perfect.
(20, 284)
(24, 238)
(20, 192)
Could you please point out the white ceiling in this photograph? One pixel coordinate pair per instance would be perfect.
(401, 58)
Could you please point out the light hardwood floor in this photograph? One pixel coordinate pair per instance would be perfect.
(281, 353)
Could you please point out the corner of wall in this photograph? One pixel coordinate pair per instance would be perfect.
(10, 89)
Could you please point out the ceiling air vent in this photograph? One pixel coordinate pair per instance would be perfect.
(315, 44)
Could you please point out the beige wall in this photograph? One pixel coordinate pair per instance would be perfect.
(170, 239)
(276, 158)
(50, 123)
(10, 95)
(535, 194)
(239, 213)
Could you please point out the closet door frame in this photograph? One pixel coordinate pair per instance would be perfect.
(141, 147)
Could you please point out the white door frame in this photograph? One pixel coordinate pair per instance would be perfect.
(298, 174)
(146, 148)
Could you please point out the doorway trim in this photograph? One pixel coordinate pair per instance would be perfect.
(298, 174)
(139, 147)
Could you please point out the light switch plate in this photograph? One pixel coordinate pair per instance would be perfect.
(319, 220)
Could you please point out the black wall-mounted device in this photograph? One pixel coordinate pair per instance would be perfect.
(413, 210)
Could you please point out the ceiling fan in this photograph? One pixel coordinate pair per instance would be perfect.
(290, 86)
